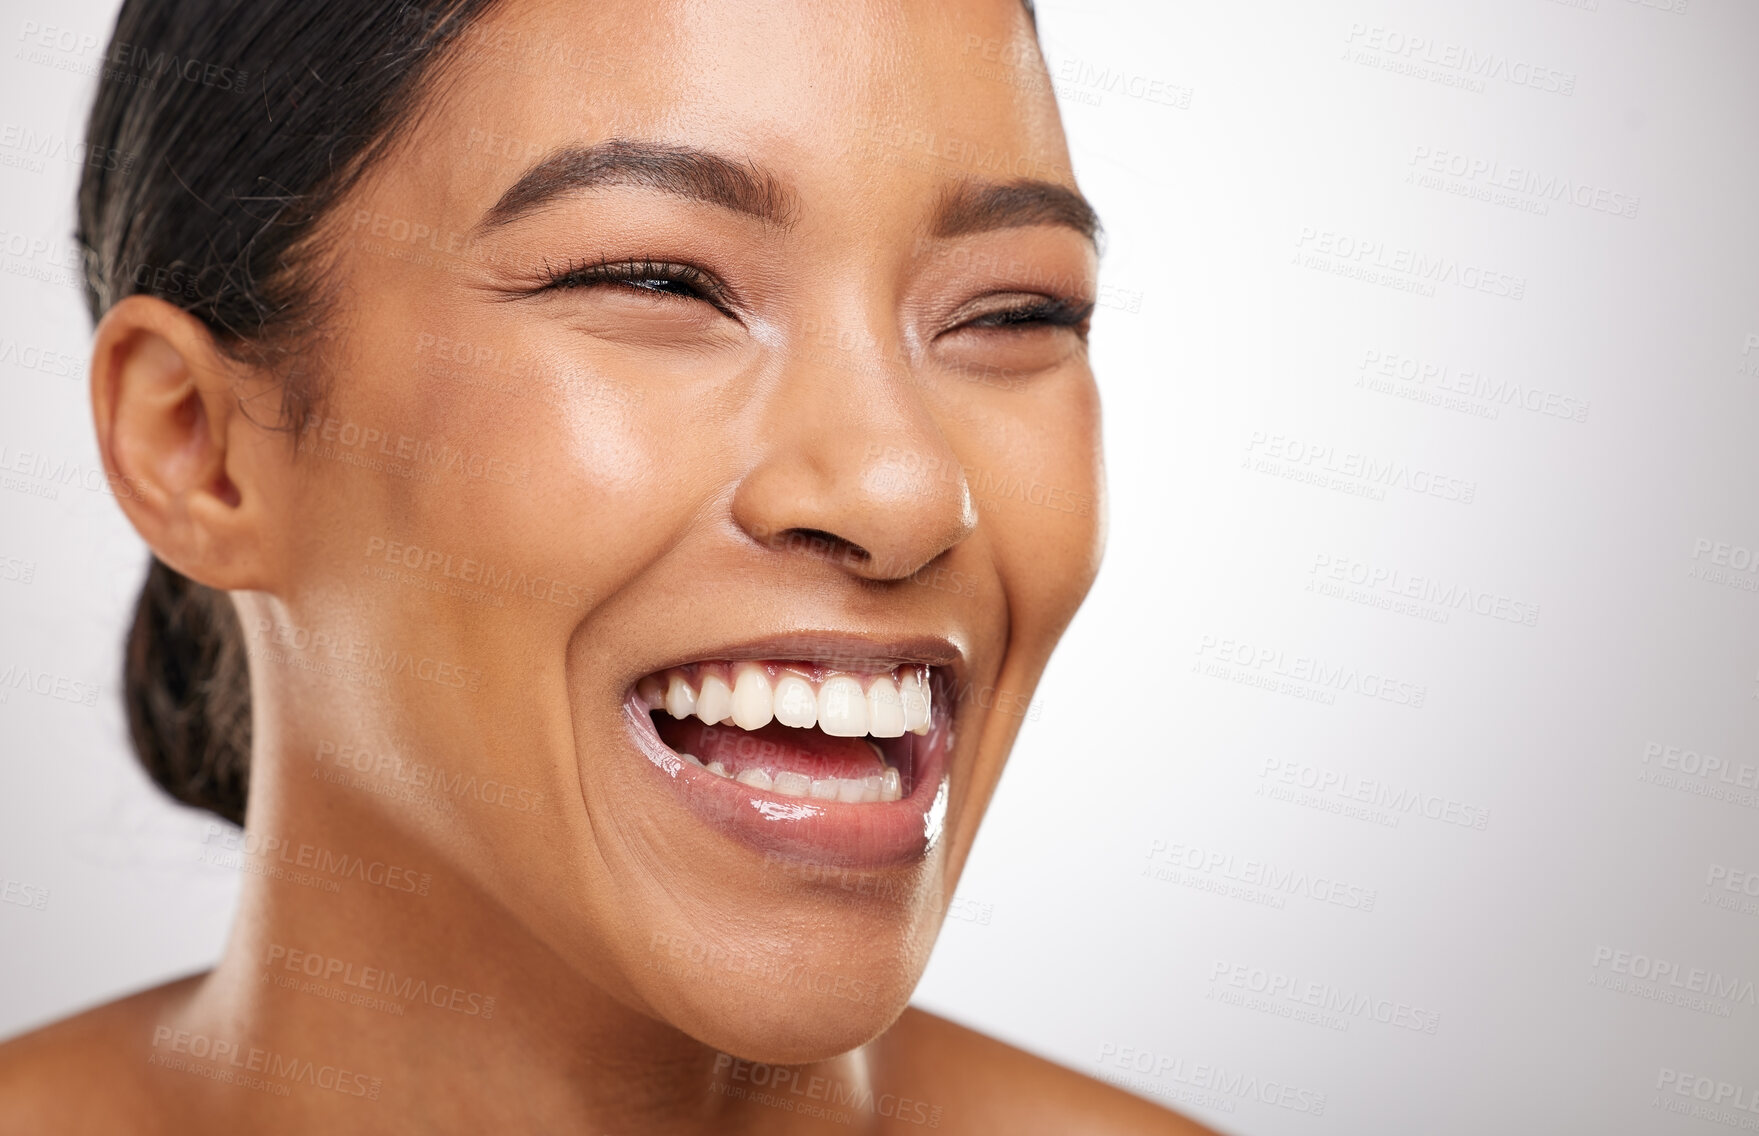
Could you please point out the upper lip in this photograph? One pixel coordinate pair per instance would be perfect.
(841, 649)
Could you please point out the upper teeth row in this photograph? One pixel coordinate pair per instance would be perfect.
(888, 708)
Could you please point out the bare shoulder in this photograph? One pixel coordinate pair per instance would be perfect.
(979, 1084)
(87, 1073)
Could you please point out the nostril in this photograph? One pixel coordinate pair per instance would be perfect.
(817, 542)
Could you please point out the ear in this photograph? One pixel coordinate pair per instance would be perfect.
(176, 444)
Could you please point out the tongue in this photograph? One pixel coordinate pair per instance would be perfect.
(774, 748)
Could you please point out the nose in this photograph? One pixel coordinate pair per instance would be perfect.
(855, 467)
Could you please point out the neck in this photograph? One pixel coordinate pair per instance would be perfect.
(364, 987)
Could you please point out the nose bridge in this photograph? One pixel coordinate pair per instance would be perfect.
(852, 458)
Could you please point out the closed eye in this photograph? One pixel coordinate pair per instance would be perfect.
(1045, 311)
(659, 278)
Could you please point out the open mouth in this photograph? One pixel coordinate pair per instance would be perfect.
(795, 729)
(835, 763)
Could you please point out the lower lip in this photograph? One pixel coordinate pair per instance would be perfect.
(833, 833)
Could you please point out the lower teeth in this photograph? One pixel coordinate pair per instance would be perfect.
(872, 789)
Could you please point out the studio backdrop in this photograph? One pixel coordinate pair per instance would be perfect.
(1400, 773)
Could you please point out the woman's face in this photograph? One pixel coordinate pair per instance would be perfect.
(687, 344)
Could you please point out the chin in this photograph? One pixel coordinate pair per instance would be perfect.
(790, 1026)
(788, 978)
(774, 824)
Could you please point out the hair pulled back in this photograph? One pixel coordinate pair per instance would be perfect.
(223, 133)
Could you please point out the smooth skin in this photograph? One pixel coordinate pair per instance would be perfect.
(833, 427)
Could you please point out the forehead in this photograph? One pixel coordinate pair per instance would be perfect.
(852, 101)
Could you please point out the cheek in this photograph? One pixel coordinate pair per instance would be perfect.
(515, 459)
(1039, 489)
(601, 488)
(1047, 551)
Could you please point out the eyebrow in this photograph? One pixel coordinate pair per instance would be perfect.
(744, 187)
(974, 207)
(684, 171)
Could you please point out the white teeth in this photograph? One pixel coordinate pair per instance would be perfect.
(871, 789)
(793, 784)
(915, 697)
(838, 706)
(842, 709)
(891, 706)
(715, 703)
(753, 701)
(885, 710)
(795, 703)
(680, 699)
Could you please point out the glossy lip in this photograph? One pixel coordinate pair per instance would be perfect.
(833, 649)
(832, 833)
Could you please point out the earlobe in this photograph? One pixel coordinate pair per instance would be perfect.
(166, 417)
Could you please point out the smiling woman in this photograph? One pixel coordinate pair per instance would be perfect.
(586, 557)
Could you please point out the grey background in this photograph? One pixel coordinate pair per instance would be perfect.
(1311, 350)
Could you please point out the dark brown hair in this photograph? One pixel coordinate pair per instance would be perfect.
(228, 129)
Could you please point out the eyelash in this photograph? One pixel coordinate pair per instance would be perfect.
(697, 284)
(1045, 311)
